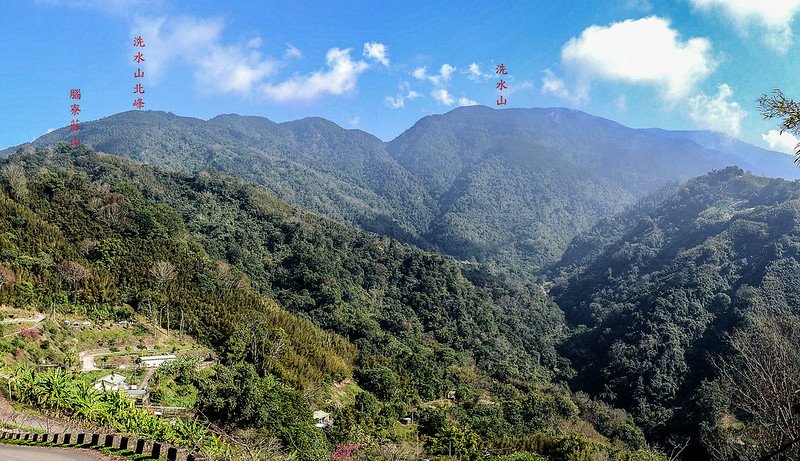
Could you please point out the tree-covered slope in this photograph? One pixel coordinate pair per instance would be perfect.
(297, 305)
(509, 188)
(343, 174)
(672, 280)
(515, 186)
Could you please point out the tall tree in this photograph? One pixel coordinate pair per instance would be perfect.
(762, 376)
(777, 106)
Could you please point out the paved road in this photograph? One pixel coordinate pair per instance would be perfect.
(29, 453)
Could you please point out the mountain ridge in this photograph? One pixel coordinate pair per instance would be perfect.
(509, 188)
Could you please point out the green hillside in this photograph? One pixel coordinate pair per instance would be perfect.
(506, 188)
(297, 306)
(662, 309)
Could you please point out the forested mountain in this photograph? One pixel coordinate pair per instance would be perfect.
(504, 187)
(735, 152)
(681, 300)
(659, 289)
(342, 174)
(294, 303)
(514, 186)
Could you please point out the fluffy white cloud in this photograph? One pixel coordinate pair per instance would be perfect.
(399, 101)
(293, 51)
(643, 51)
(782, 142)
(218, 67)
(442, 96)
(474, 72)
(376, 51)
(774, 16)
(233, 70)
(558, 87)
(445, 71)
(466, 102)
(354, 122)
(395, 103)
(340, 77)
(240, 67)
(719, 113)
(421, 73)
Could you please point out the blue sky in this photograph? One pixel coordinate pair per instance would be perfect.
(382, 65)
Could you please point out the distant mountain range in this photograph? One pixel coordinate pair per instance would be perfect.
(648, 262)
(503, 187)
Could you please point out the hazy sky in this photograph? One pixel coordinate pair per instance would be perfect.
(381, 65)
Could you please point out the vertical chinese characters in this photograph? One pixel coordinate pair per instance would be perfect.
(501, 85)
(138, 88)
(75, 109)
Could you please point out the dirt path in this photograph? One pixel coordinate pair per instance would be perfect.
(146, 380)
(35, 320)
(28, 453)
(86, 358)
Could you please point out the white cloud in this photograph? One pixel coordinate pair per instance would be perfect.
(622, 103)
(466, 102)
(354, 122)
(218, 67)
(782, 142)
(399, 101)
(442, 96)
(340, 77)
(474, 72)
(718, 113)
(643, 51)
(293, 51)
(233, 70)
(395, 103)
(445, 71)
(517, 87)
(376, 51)
(773, 16)
(421, 73)
(240, 67)
(558, 87)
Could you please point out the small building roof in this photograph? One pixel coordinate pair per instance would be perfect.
(158, 357)
(319, 414)
(113, 378)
